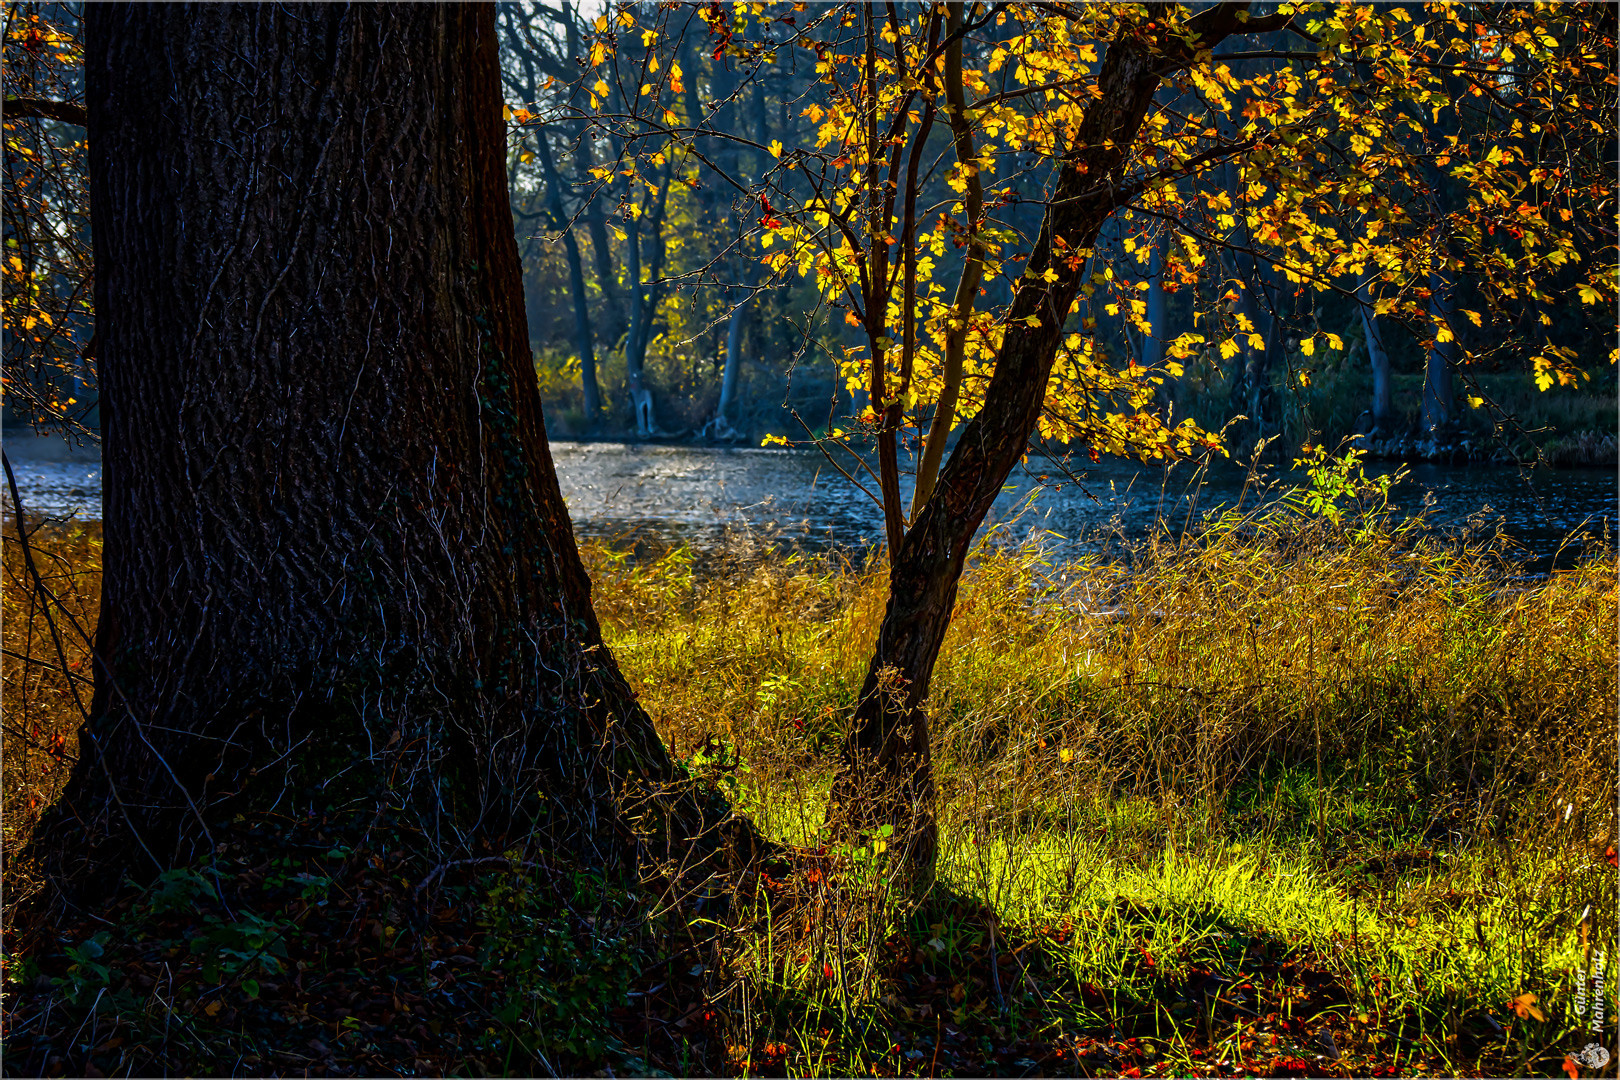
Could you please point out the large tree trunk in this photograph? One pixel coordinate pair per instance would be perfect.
(337, 563)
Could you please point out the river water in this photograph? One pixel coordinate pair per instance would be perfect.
(707, 496)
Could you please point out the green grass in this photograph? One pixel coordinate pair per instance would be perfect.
(1288, 749)
(1304, 793)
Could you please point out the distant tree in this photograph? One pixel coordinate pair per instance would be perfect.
(338, 568)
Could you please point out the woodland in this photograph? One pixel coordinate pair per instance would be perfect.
(332, 749)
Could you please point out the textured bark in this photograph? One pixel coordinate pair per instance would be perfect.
(886, 773)
(335, 545)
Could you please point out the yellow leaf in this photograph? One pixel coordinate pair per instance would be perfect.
(1033, 321)
(776, 148)
(1308, 346)
(1065, 755)
(601, 88)
(601, 24)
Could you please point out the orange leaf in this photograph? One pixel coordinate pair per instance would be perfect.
(1525, 1006)
(1571, 1068)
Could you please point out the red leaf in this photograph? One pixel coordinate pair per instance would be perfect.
(826, 970)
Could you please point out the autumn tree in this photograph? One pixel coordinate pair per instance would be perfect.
(338, 568)
(1290, 155)
(45, 272)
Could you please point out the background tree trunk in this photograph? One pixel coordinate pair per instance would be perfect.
(1439, 397)
(337, 563)
(1378, 358)
(583, 339)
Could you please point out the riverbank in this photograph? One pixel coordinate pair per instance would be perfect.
(1584, 448)
(1292, 797)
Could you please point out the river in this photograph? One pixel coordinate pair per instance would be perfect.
(708, 496)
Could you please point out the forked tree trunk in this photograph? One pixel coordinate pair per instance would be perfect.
(886, 775)
(338, 568)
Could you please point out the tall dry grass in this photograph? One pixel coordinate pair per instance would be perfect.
(1315, 729)
(1312, 738)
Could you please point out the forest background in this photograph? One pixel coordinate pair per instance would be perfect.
(654, 312)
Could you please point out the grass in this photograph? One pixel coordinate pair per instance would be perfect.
(1305, 793)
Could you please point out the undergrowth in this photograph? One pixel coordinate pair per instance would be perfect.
(1304, 792)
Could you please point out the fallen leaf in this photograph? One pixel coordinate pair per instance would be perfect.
(1525, 1006)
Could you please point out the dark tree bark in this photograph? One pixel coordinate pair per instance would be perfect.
(336, 554)
(886, 774)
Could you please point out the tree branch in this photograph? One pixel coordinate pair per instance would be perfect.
(26, 108)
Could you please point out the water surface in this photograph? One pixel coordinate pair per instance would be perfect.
(703, 495)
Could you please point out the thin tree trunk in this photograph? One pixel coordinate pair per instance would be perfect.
(1257, 375)
(338, 568)
(595, 220)
(1439, 399)
(728, 380)
(583, 344)
(967, 286)
(1154, 343)
(1378, 360)
(886, 774)
(643, 306)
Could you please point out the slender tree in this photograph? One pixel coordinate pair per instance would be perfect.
(337, 562)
